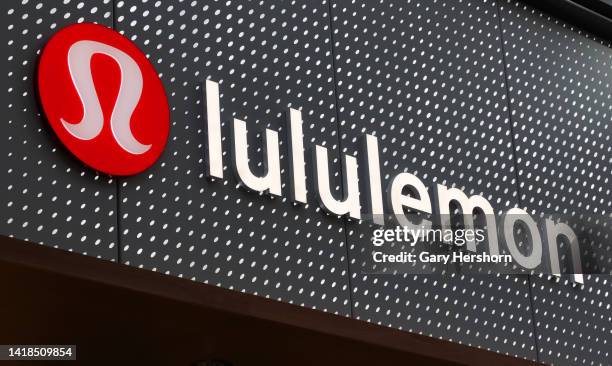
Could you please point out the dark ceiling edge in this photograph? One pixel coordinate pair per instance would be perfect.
(54, 262)
(594, 16)
(603, 7)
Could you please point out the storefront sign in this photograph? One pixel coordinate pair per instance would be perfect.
(120, 126)
(115, 125)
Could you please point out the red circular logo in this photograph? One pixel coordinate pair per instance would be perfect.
(103, 99)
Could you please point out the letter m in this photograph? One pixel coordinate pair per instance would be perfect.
(444, 196)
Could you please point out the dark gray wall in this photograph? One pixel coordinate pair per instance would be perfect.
(266, 57)
(49, 197)
(495, 98)
(428, 80)
(559, 85)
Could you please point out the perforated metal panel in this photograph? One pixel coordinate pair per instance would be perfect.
(427, 78)
(267, 57)
(561, 100)
(50, 197)
(574, 324)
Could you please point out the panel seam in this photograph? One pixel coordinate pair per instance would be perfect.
(515, 163)
(338, 126)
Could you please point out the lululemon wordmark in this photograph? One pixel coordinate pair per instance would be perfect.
(406, 192)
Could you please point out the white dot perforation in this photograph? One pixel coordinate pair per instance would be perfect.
(560, 80)
(448, 93)
(266, 57)
(50, 197)
(574, 323)
(427, 78)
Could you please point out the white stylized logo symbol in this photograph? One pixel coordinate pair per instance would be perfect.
(90, 126)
